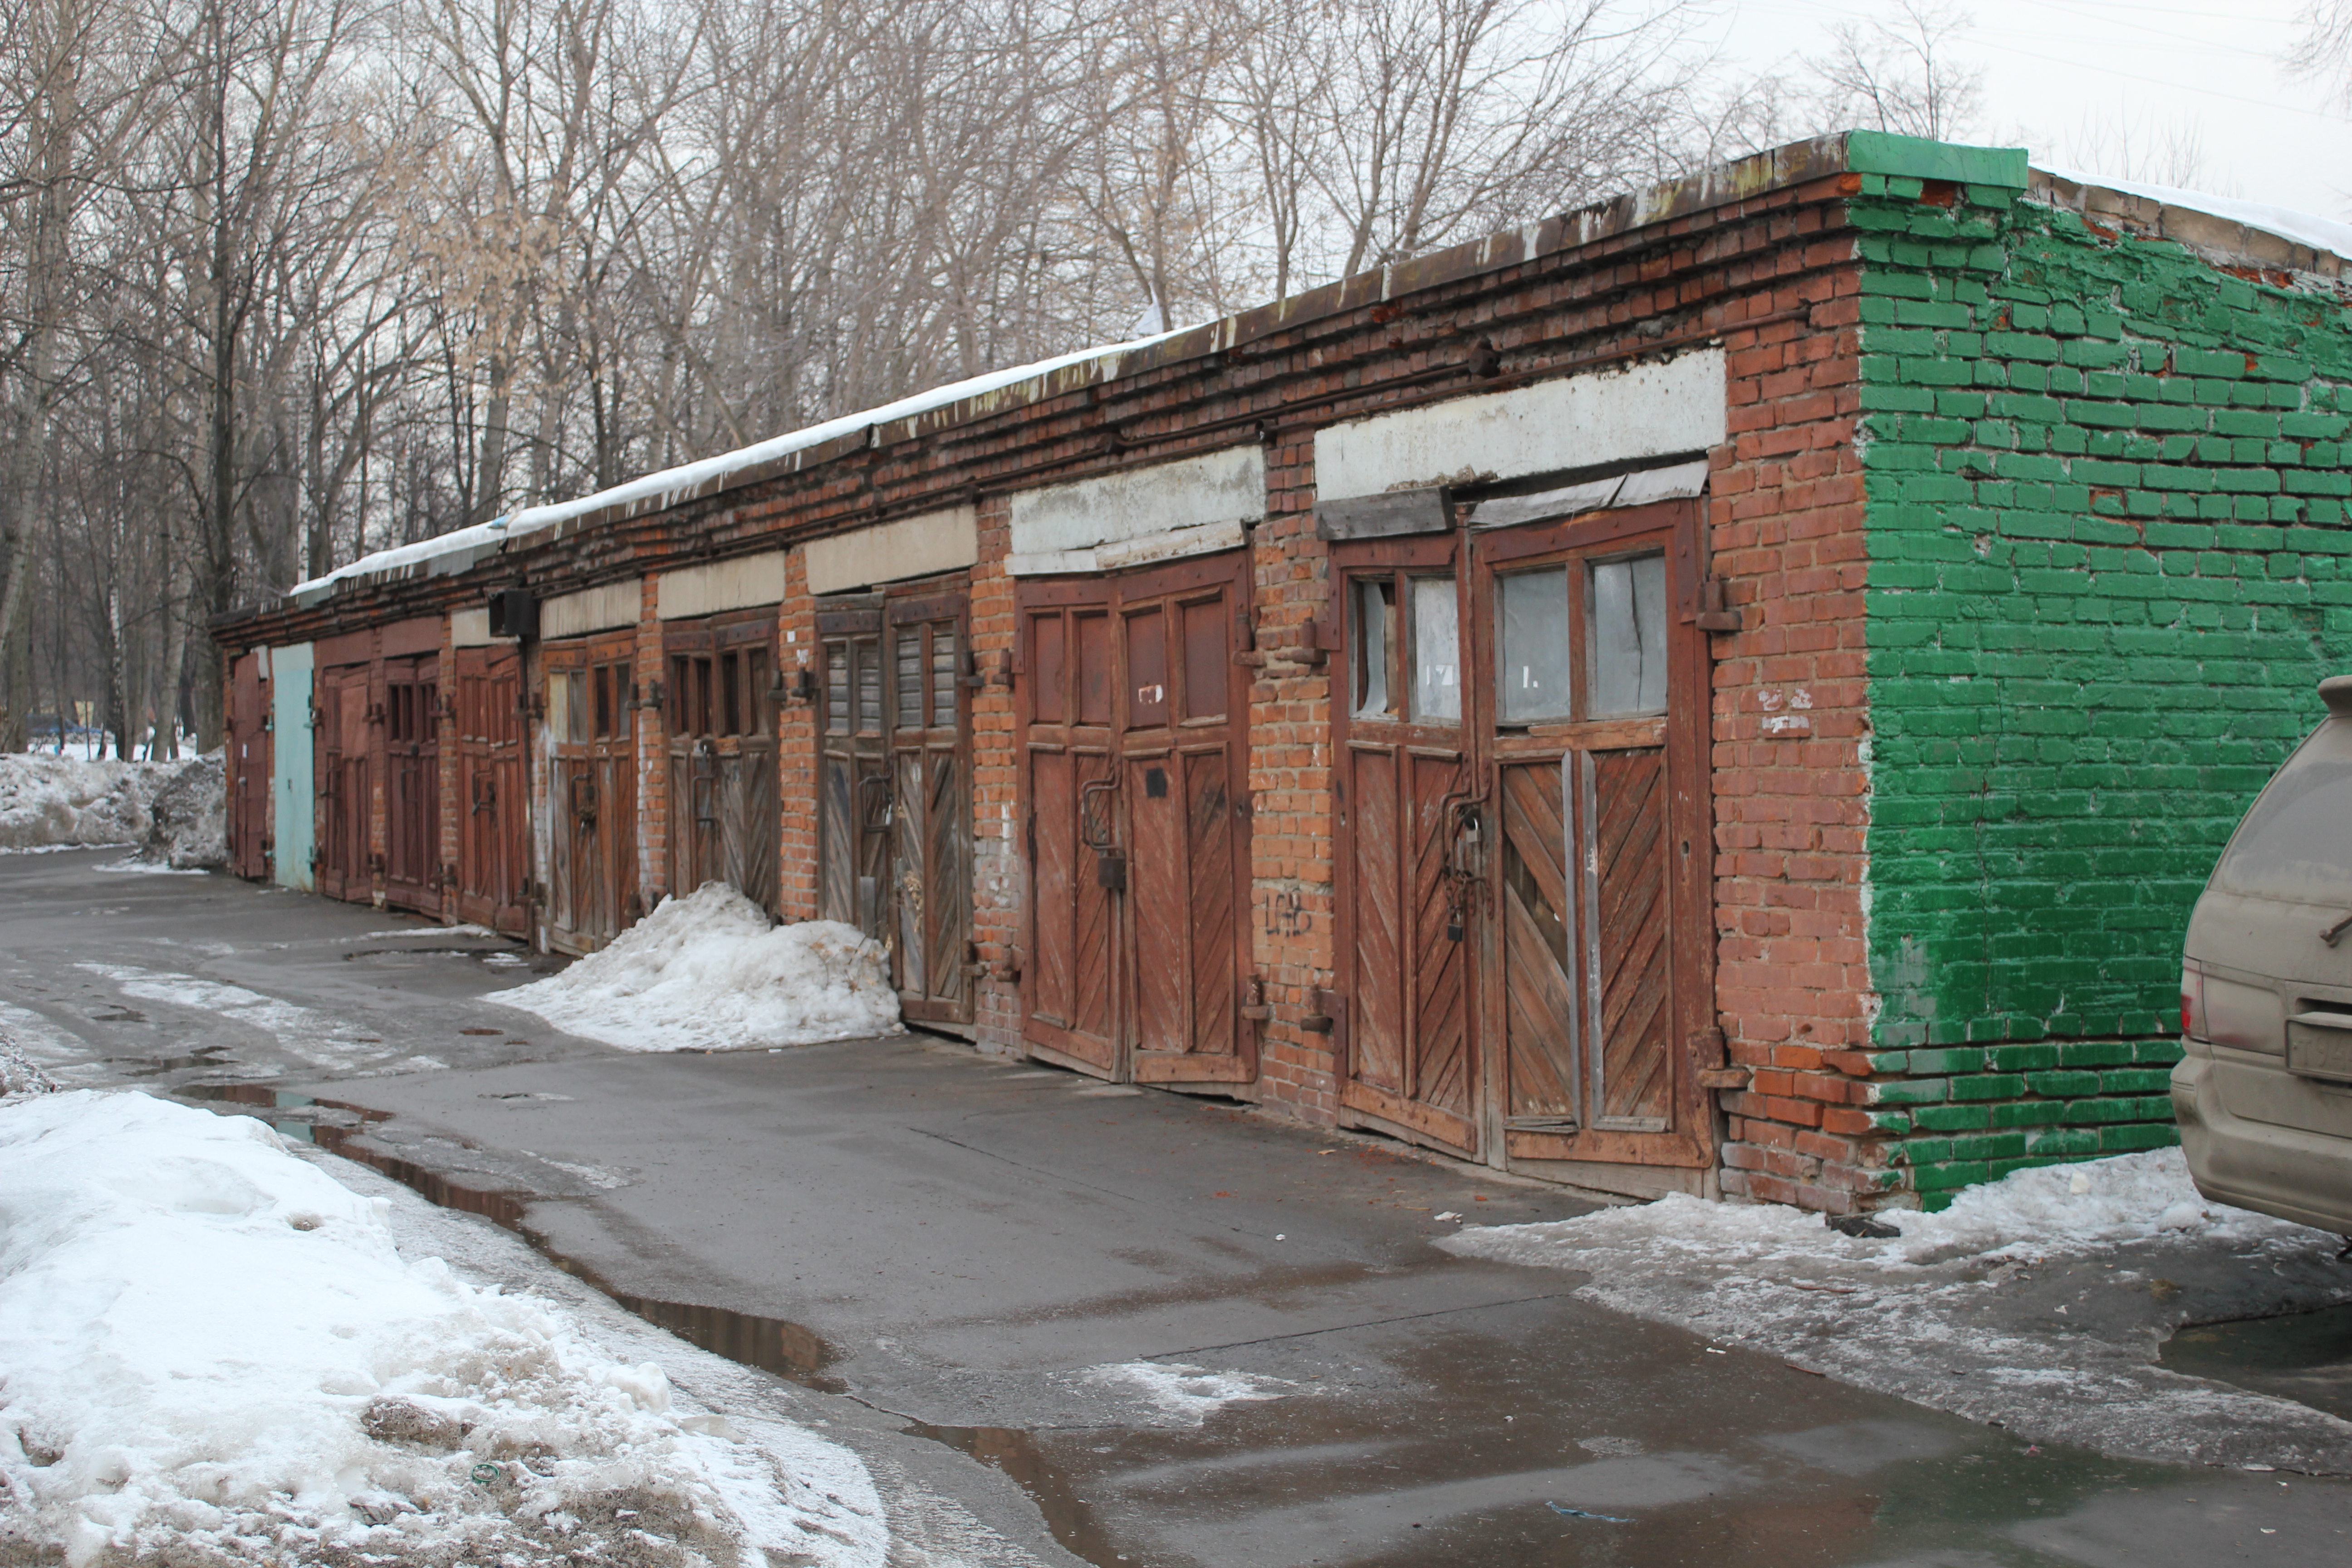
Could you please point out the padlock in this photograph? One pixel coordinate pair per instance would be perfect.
(1110, 870)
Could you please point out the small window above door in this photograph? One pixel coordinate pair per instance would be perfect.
(1409, 665)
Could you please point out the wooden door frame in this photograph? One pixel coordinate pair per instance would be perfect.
(1688, 730)
(508, 827)
(928, 601)
(1112, 593)
(1360, 1104)
(425, 893)
(726, 630)
(615, 755)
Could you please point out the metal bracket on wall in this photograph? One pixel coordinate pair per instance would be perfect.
(1715, 611)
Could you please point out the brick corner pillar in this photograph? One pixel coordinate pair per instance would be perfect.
(999, 883)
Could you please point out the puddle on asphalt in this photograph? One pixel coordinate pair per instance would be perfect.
(772, 1344)
(2303, 1356)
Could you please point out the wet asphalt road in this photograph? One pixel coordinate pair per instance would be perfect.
(974, 1248)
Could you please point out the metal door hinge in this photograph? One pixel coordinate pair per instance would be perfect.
(1715, 611)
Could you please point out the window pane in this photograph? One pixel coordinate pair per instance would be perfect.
(1532, 665)
(1375, 620)
(910, 679)
(945, 673)
(1436, 650)
(575, 723)
(870, 690)
(836, 689)
(1629, 636)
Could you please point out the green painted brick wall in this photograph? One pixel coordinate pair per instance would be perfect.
(2109, 560)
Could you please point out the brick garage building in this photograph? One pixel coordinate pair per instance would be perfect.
(1730, 690)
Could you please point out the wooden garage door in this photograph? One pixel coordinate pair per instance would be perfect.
(1135, 721)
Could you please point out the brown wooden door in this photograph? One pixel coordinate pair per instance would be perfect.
(928, 880)
(592, 803)
(894, 849)
(345, 780)
(249, 769)
(1519, 742)
(1407, 836)
(493, 835)
(853, 765)
(724, 814)
(1600, 954)
(1135, 722)
(412, 734)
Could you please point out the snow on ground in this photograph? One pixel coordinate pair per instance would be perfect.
(216, 1353)
(1185, 1394)
(2039, 1301)
(2041, 1212)
(59, 803)
(709, 971)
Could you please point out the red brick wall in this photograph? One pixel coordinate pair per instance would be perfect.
(1791, 719)
(796, 747)
(999, 870)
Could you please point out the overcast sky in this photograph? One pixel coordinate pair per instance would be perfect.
(2064, 76)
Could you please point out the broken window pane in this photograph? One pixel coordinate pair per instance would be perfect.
(1436, 650)
(1375, 620)
(1532, 664)
(1629, 637)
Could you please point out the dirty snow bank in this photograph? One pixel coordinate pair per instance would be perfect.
(708, 973)
(214, 1352)
(2044, 1212)
(65, 803)
(2039, 1302)
(188, 820)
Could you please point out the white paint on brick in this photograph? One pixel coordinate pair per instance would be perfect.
(947, 540)
(720, 585)
(592, 610)
(471, 628)
(1136, 504)
(1172, 545)
(1624, 415)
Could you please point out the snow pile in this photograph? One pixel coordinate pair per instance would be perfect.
(2048, 1211)
(214, 1352)
(19, 1079)
(63, 802)
(708, 973)
(188, 820)
(2037, 1302)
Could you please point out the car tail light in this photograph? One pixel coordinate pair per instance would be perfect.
(2192, 1001)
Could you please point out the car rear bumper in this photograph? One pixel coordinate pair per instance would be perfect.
(2282, 1171)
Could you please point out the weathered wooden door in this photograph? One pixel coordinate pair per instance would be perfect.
(895, 789)
(411, 733)
(249, 769)
(592, 802)
(345, 782)
(724, 815)
(1600, 952)
(928, 878)
(493, 837)
(854, 765)
(1520, 743)
(1135, 720)
(1408, 838)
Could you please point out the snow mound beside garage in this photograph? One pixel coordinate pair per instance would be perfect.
(710, 973)
(2046, 1211)
(66, 803)
(216, 1353)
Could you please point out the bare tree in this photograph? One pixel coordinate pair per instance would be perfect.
(1902, 78)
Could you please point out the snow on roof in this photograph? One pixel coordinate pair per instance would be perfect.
(2303, 228)
(689, 479)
